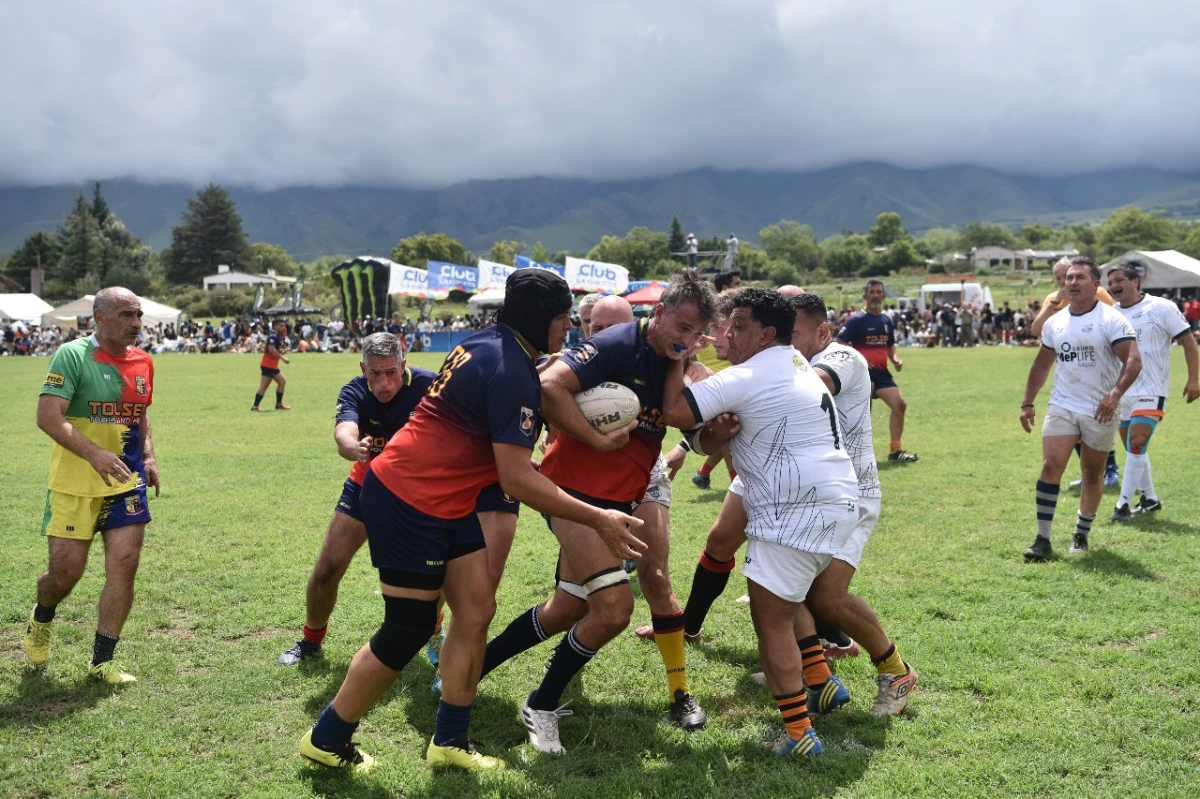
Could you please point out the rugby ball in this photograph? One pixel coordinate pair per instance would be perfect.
(609, 406)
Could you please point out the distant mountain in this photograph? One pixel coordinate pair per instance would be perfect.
(567, 214)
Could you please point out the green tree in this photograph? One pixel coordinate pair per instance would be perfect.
(937, 241)
(211, 234)
(260, 257)
(82, 245)
(792, 242)
(888, 229)
(506, 252)
(845, 255)
(752, 263)
(100, 208)
(1130, 228)
(782, 273)
(39, 250)
(1190, 246)
(676, 242)
(1035, 234)
(419, 249)
(979, 234)
(540, 253)
(640, 251)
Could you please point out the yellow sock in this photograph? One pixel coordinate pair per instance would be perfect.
(668, 634)
(891, 663)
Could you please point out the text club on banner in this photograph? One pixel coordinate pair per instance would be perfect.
(523, 262)
(446, 277)
(583, 275)
(408, 282)
(493, 275)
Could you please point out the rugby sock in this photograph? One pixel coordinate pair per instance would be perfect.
(257, 399)
(278, 397)
(894, 446)
(794, 709)
(1084, 525)
(812, 654)
(315, 636)
(668, 634)
(103, 648)
(568, 660)
(1046, 497)
(331, 731)
(732, 473)
(1147, 485)
(452, 724)
(1134, 465)
(44, 614)
(708, 581)
(891, 663)
(1111, 463)
(705, 470)
(523, 632)
(830, 632)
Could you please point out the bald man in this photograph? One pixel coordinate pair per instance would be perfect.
(93, 406)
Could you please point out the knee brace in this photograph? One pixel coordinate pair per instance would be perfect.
(609, 578)
(1148, 421)
(405, 629)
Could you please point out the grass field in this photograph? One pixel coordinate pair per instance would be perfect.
(1077, 677)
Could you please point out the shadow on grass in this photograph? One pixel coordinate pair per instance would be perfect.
(41, 700)
(1155, 524)
(1105, 561)
(713, 495)
(414, 679)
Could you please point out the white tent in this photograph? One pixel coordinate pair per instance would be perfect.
(488, 299)
(1165, 269)
(27, 308)
(974, 295)
(153, 313)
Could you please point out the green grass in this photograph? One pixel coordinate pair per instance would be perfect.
(1077, 677)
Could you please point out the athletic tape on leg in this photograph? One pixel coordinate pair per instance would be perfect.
(608, 578)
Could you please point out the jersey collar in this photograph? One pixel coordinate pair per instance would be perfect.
(521, 341)
(1085, 313)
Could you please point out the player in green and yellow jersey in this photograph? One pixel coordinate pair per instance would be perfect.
(93, 405)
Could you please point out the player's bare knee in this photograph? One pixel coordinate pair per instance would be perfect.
(612, 612)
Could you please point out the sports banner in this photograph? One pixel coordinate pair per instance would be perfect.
(493, 275)
(408, 282)
(445, 277)
(363, 284)
(297, 294)
(260, 297)
(583, 275)
(523, 262)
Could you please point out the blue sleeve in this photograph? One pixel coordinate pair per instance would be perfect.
(891, 332)
(513, 397)
(349, 398)
(605, 356)
(849, 330)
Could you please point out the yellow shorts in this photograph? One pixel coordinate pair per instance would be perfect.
(80, 518)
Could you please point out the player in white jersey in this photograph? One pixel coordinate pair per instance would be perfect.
(847, 376)
(800, 490)
(1098, 360)
(1157, 323)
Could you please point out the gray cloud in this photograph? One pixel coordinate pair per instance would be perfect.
(275, 93)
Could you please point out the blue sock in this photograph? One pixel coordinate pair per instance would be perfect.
(330, 731)
(452, 723)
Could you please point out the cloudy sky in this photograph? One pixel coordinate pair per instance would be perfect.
(273, 93)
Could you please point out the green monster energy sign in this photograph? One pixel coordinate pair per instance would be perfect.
(363, 284)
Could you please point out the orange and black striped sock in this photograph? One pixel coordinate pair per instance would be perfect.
(816, 670)
(794, 708)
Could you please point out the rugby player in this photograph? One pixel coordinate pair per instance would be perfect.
(93, 406)
(1098, 360)
(726, 281)
(873, 333)
(592, 468)
(269, 365)
(1157, 323)
(800, 491)
(476, 425)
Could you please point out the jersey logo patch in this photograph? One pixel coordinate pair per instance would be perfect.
(55, 380)
(527, 422)
(139, 385)
(133, 505)
(584, 353)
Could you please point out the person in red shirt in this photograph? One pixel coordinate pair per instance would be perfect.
(272, 355)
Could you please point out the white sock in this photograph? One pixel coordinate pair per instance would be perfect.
(1147, 483)
(1131, 478)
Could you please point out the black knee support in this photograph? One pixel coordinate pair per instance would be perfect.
(405, 629)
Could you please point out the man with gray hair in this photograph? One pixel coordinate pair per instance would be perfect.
(93, 406)
(586, 303)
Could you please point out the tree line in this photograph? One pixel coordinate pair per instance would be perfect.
(91, 248)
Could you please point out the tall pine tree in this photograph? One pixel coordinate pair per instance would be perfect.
(82, 244)
(211, 234)
(675, 240)
(100, 209)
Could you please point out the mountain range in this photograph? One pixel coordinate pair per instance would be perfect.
(572, 214)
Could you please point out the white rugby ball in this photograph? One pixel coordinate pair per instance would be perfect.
(609, 406)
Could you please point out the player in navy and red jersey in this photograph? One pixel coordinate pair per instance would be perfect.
(370, 409)
(873, 334)
(269, 366)
(477, 425)
(587, 465)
